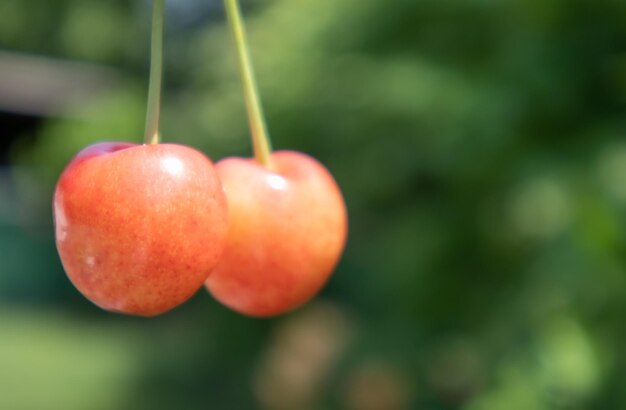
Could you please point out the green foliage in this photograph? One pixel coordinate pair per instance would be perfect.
(480, 147)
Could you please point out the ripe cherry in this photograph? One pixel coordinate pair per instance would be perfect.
(140, 227)
(287, 218)
(287, 229)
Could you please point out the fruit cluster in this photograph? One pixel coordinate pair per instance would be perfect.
(141, 228)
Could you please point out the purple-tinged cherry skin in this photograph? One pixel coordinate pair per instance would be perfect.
(139, 227)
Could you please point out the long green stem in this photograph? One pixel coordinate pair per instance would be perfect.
(260, 137)
(152, 135)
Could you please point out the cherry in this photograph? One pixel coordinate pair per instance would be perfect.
(140, 227)
(287, 217)
(287, 228)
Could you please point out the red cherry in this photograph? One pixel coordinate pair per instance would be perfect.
(139, 227)
(287, 230)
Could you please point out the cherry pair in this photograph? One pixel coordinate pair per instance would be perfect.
(140, 228)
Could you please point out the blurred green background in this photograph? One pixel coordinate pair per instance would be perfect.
(481, 148)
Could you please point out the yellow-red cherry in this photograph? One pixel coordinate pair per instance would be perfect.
(287, 231)
(139, 227)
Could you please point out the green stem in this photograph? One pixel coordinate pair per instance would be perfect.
(260, 137)
(152, 135)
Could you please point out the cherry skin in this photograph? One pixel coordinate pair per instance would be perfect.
(287, 230)
(139, 227)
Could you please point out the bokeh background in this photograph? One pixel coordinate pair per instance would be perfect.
(481, 148)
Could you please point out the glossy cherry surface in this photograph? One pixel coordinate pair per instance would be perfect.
(139, 227)
(287, 230)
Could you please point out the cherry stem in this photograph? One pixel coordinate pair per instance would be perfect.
(152, 134)
(258, 129)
